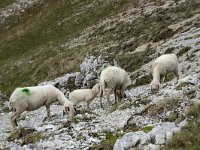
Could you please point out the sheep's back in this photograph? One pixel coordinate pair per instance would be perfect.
(169, 61)
(113, 76)
(32, 97)
(80, 95)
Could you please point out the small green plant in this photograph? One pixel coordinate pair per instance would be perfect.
(183, 50)
(146, 79)
(114, 107)
(147, 129)
(169, 50)
(171, 117)
(93, 134)
(188, 138)
(27, 136)
(194, 111)
(32, 138)
(80, 137)
(169, 77)
(163, 106)
(5, 3)
(5, 109)
(183, 84)
(162, 35)
(133, 61)
(109, 142)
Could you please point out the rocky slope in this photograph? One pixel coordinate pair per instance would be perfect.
(143, 120)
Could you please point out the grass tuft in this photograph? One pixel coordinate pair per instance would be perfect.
(26, 135)
(109, 142)
(183, 51)
(188, 137)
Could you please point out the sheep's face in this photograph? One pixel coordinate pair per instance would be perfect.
(119, 95)
(96, 88)
(155, 86)
(70, 110)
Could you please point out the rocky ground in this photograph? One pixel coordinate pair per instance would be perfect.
(143, 120)
(163, 112)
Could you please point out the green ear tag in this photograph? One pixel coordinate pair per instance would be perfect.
(26, 91)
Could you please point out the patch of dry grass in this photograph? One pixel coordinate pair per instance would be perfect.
(165, 105)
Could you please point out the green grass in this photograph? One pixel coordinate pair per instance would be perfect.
(5, 3)
(26, 135)
(31, 51)
(111, 138)
(188, 139)
(167, 104)
(170, 50)
(109, 142)
(146, 79)
(134, 61)
(38, 39)
(183, 51)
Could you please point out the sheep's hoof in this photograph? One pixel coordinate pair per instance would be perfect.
(66, 124)
(45, 119)
(101, 106)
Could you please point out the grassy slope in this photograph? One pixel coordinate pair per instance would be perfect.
(31, 51)
(5, 3)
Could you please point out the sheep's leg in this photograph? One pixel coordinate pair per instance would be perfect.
(108, 96)
(14, 119)
(176, 74)
(162, 79)
(122, 95)
(115, 93)
(88, 105)
(48, 112)
(100, 97)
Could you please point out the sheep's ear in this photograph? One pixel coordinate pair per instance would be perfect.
(64, 112)
(67, 109)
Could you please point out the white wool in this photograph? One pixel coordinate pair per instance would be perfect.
(160, 67)
(86, 95)
(114, 79)
(32, 98)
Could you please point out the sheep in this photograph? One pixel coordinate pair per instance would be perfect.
(86, 95)
(160, 67)
(32, 98)
(115, 80)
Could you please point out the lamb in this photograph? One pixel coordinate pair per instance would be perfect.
(86, 95)
(32, 98)
(160, 67)
(115, 80)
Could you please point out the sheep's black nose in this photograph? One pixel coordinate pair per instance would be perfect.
(64, 112)
(154, 90)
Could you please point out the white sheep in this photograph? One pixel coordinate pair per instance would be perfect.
(115, 80)
(86, 95)
(160, 67)
(32, 98)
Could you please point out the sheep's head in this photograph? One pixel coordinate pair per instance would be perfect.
(69, 109)
(120, 95)
(96, 88)
(155, 86)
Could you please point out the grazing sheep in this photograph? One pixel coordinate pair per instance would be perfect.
(32, 98)
(160, 67)
(86, 95)
(115, 80)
